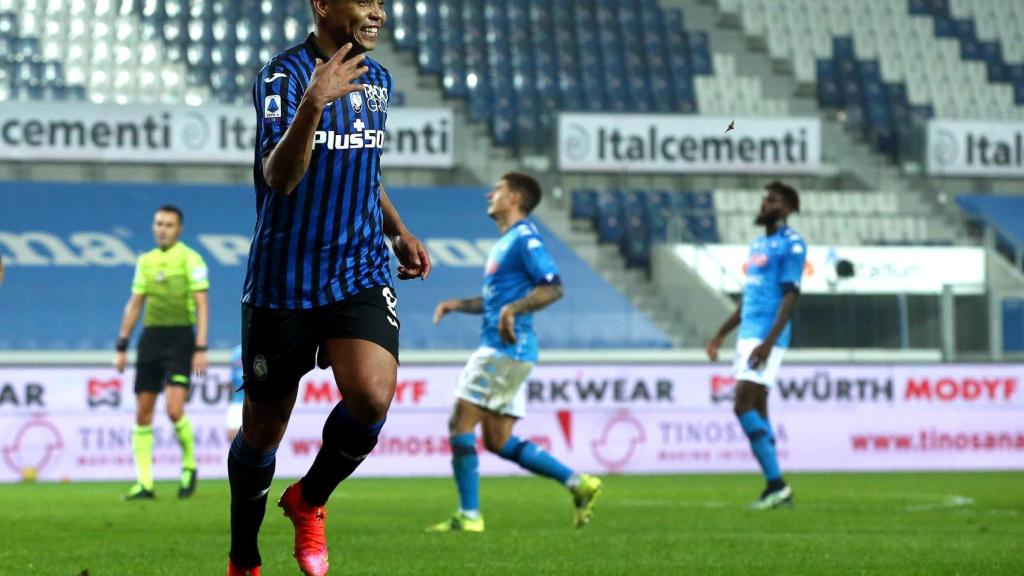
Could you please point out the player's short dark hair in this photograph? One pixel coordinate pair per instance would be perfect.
(527, 186)
(173, 210)
(789, 194)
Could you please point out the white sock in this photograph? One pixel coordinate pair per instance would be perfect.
(471, 514)
(573, 482)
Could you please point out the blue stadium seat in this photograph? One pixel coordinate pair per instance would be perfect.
(636, 244)
(971, 46)
(700, 202)
(703, 228)
(609, 222)
(566, 55)
(634, 203)
(880, 110)
(584, 204)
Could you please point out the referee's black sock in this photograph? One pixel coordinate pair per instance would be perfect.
(346, 443)
(249, 473)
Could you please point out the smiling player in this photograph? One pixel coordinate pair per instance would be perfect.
(318, 287)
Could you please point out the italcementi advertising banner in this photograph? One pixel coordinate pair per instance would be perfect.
(975, 148)
(75, 423)
(678, 144)
(172, 134)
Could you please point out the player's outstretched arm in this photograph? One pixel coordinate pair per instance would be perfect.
(760, 354)
(128, 321)
(284, 167)
(467, 305)
(728, 326)
(538, 298)
(413, 259)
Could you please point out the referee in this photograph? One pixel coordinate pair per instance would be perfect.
(173, 277)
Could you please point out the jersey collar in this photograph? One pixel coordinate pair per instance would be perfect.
(516, 225)
(314, 48)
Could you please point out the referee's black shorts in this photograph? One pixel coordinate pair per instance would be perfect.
(280, 346)
(165, 357)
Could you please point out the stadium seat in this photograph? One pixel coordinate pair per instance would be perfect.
(967, 47)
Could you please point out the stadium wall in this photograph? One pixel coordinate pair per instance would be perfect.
(71, 248)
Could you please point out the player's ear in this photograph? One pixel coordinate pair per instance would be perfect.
(520, 199)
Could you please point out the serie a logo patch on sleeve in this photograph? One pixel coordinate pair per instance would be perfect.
(272, 107)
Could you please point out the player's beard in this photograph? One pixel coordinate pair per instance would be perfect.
(767, 219)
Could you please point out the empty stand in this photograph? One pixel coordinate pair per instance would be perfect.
(890, 64)
(634, 220)
(517, 63)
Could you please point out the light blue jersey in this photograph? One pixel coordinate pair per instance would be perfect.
(237, 394)
(775, 266)
(517, 264)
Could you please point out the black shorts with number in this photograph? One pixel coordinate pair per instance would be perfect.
(280, 346)
(165, 357)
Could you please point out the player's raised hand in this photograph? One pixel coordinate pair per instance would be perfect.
(443, 309)
(413, 259)
(507, 325)
(712, 348)
(334, 79)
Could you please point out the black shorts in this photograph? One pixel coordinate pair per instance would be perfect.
(165, 357)
(280, 346)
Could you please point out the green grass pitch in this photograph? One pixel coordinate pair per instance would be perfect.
(696, 524)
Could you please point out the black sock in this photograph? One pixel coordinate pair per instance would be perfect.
(249, 474)
(346, 443)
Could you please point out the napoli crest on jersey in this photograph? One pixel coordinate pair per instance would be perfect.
(756, 260)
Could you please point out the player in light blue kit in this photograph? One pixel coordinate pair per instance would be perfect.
(234, 420)
(774, 270)
(520, 278)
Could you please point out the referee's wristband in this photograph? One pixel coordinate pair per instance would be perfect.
(199, 349)
(122, 345)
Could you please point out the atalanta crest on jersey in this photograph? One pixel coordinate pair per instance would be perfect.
(356, 99)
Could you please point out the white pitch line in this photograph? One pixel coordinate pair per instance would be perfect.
(949, 502)
(666, 504)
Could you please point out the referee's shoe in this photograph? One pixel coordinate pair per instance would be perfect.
(187, 487)
(139, 492)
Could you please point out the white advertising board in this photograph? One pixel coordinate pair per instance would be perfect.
(76, 423)
(679, 144)
(212, 134)
(876, 270)
(975, 148)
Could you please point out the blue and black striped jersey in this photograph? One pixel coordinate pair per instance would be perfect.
(325, 240)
